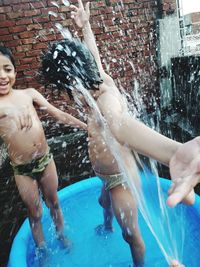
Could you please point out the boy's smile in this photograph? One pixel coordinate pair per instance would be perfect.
(7, 75)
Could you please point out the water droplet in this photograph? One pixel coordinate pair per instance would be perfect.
(55, 4)
(55, 54)
(59, 26)
(66, 3)
(51, 13)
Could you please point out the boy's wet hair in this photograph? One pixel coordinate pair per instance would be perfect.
(67, 61)
(7, 53)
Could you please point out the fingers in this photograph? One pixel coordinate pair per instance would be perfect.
(179, 191)
(18, 123)
(30, 123)
(73, 7)
(73, 14)
(87, 9)
(80, 3)
(25, 119)
(22, 121)
(171, 189)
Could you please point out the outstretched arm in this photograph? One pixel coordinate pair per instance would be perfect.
(61, 116)
(135, 134)
(81, 17)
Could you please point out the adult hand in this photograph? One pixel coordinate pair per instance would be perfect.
(79, 14)
(185, 172)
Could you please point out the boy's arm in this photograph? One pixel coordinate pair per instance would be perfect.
(129, 131)
(55, 112)
(81, 17)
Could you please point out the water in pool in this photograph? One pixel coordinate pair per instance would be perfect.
(82, 214)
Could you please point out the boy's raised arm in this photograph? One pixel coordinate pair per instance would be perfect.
(81, 17)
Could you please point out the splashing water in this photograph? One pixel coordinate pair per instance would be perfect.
(51, 13)
(170, 245)
(169, 242)
(55, 4)
(66, 3)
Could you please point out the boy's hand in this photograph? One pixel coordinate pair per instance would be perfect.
(79, 14)
(21, 117)
(83, 126)
(185, 173)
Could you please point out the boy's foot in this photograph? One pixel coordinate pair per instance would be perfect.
(102, 230)
(175, 263)
(66, 243)
(42, 255)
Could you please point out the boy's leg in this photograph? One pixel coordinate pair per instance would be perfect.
(125, 210)
(105, 202)
(29, 192)
(49, 185)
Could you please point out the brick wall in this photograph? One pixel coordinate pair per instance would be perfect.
(125, 32)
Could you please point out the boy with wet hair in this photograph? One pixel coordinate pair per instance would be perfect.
(30, 156)
(129, 133)
(66, 61)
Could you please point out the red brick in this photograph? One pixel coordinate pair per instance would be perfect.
(19, 7)
(52, 9)
(40, 19)
(40, 46)
(15, 15)
(29, 41)
(33, 53)
(7, 23)
(2, 17)
(17, 29)
(28, 60)
(37, 5)
(32, 13)
(4, 31)
(30, 73)
(23, 48)
(24, 21)
(23, 67)
(6, 38)
(8, 2)
(27, 34)
(19, 55)
(34, 27)
(5, 9)
(13, 43)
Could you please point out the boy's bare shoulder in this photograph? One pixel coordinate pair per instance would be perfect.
(24, 90)
(27, 91)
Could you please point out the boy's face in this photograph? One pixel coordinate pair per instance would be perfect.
(7, 75)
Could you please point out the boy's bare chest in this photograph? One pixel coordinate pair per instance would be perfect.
(15, 101)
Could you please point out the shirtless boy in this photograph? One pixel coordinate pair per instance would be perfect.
(75, 63)
(31, 160)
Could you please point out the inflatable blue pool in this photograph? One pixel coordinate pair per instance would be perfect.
(82, 214)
